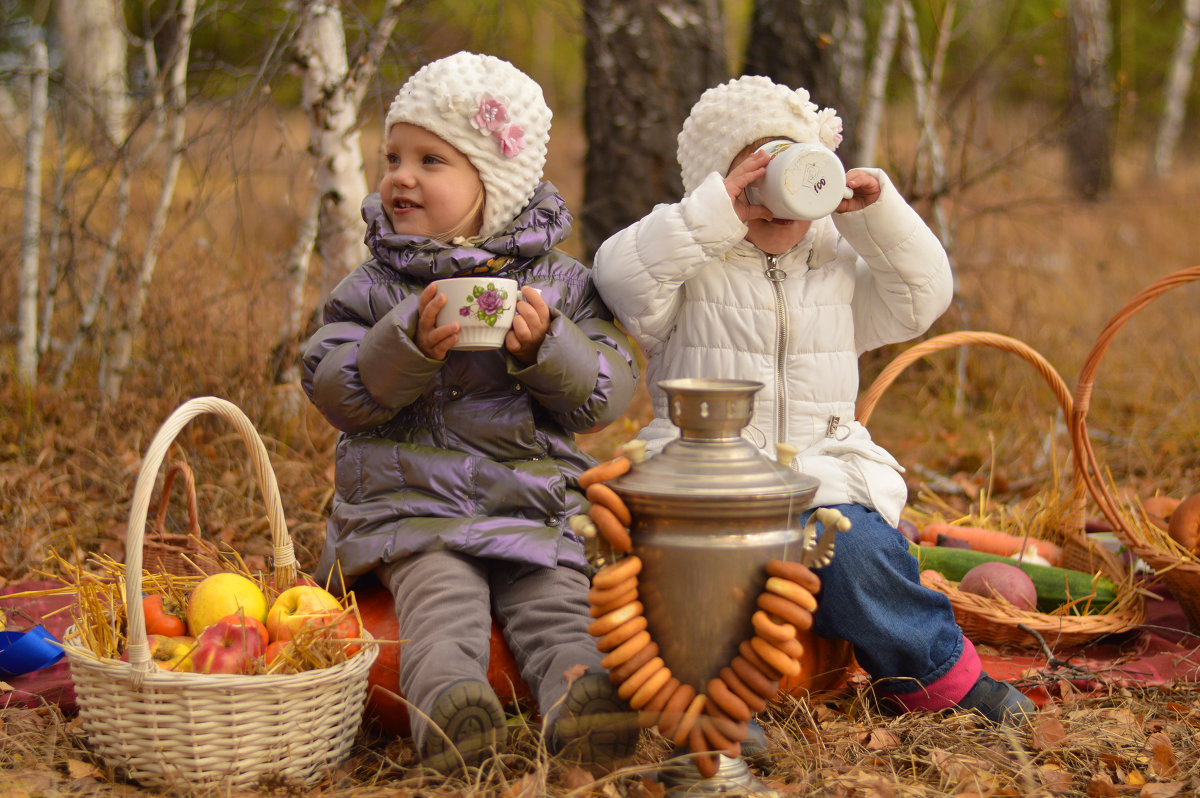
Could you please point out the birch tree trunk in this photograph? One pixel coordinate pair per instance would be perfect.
(877, 82)
(1090, 133)
(27, 326)
(332, 96)
(94, 58)
(819, 45)
(173, 117)
(646, 66)
(1179, 81)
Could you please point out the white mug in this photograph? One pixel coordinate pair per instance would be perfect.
(483, 307)
(803, 181)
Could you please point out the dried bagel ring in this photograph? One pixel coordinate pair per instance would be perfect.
(776, 584)
(742, 690)
(606, 623)
(774, 657)
(688, 722)
(643, 674)
(785, 610)
(598, 597)
(747, 651)
(611, 528)
(629, 686)
(617, 603)
(706, 762)
(612, 575)
(609, 469)
(599, 493)
(792, 647)
(630, 666)
(641, 697)
(676, 705)
(649, 714)
(718, 741)
(614, 639)
(795, 572)
(720, 694)
(732, 729)
(623, 652)
(775, 632)
(765, 687)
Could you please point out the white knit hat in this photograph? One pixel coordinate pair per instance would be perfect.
(728, 117)
(491, 112)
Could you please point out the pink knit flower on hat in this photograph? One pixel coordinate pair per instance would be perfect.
(492, 114)
(512, 140)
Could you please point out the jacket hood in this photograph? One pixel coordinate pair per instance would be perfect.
(543, 224)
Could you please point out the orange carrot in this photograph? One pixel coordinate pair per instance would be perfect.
(992, 541)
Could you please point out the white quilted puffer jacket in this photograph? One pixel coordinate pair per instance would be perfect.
(704, 302)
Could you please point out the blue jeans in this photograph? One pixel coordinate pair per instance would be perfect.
(904, 635)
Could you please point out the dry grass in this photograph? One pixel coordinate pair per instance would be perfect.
(1032, 263)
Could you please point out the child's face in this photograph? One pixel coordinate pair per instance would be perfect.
(772, 236)
(428, 187)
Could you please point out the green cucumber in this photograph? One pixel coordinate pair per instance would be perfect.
(1055, 586)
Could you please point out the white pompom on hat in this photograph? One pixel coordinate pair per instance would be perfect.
(733, 115)
(491, 112)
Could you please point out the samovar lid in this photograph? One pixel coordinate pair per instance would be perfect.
(710, 459)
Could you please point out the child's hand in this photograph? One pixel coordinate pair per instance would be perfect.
(433, 341)
(530, 323)
(865, 188)
(743, 173)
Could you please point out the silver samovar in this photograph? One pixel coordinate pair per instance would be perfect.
(708, 512)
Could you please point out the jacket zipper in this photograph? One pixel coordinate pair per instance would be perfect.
(776, 276)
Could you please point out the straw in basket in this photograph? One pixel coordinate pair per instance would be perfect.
(1178, 568)
(986, 620)
(191, 730)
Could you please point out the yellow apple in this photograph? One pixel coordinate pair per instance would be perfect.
(220, 595)
(298, 608)
(171, 653)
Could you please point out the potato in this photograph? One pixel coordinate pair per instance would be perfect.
(1001, 580)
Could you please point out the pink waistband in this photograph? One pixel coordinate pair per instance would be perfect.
(948, 690)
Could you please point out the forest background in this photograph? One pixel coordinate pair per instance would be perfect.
(173, 238)
(180, 245)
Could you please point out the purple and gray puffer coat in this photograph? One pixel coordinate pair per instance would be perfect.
(475, 453)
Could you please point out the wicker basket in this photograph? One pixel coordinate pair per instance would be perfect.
(169, 730)
(1178, 568)
(180, 554)
(986, 620)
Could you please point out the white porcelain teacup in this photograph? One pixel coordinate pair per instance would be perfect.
(803, 181)
(483, 306)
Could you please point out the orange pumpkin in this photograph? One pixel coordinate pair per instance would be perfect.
(827, 664)
(384, 707)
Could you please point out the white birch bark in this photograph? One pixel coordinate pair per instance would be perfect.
(1179, 81)
(27, 327)
(173, 116)
(94, 56)
(877, 81)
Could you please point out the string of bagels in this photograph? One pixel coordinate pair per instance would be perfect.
(709, 722)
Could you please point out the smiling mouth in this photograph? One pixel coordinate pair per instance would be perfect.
(404, 205)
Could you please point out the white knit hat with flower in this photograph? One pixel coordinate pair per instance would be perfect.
(491, 112)
(733, 115)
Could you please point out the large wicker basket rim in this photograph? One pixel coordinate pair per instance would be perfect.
(870, 397)
(1087, 466)
(284, 562)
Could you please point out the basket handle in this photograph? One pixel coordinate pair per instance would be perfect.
(866, 403)
(1081, 443)
(189, 489)
(284, 562)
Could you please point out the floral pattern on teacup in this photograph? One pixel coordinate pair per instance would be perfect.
(486, 304)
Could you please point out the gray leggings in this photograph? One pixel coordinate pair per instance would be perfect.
(445, 602)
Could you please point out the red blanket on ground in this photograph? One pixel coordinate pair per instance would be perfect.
(1159, 653)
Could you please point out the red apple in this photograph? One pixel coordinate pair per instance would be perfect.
(227, 647)
(253, 623)
(297, 608)
(223, 594)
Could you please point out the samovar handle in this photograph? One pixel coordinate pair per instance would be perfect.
(817, 553)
